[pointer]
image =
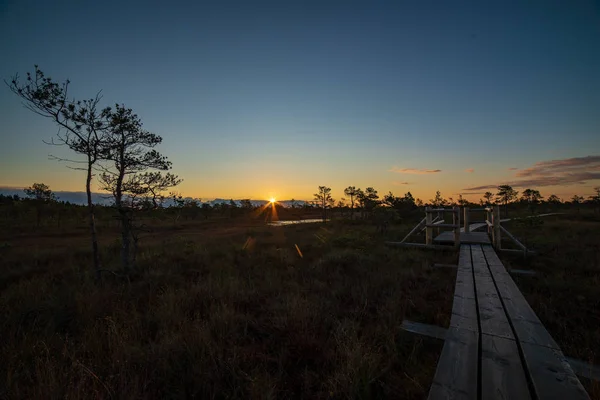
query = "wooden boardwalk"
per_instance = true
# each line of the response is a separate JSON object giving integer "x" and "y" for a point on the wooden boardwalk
{"x": 496, "y": 347}
{"x": 471, "y": 237}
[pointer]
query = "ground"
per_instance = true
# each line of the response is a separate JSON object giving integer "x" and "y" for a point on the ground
{"x": 231, "y": 308}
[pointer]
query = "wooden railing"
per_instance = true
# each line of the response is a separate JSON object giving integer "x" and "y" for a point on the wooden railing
{"x": 430, "y": 224}
{"x": 434, "y": 219}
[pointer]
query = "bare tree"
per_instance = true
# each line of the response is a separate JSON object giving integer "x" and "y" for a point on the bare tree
{"x": 324, "y": 199}
{"x": 81, "y": 128}
{"x": 130, "y": 148}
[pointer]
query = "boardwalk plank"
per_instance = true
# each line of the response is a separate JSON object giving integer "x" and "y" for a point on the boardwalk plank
{"x": 551, "y": 374}
{"x": 502, "y": 374}
{"x": 456, "y": 373}
{"x": 493, "y": 319}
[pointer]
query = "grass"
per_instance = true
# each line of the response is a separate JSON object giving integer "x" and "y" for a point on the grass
{"x": 228, "y": 310}
{"x": 231, "y": 308}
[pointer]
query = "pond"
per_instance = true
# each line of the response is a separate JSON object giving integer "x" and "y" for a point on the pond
{"x": 293, "y": 222}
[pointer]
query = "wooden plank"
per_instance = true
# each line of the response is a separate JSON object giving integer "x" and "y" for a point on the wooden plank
{"x": 421, "y": 246}
{"x": 464, "y": 307}
{"x": 465, "y": 238}
{"x": 432, "y": 225}
{"x": 492, "y": 316}
{"x": 424, "y": 329}
{"x": 551, "y": 374}
{"x": 416, "y": 228}
{"x": 502, "y": 374}
{"x": 428, "y": 222}
{"x": 534, "y": 333}
{"x": 456, "y": 373}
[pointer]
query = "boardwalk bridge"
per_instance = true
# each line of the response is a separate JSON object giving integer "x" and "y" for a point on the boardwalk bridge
{"x": 496, "y": 347}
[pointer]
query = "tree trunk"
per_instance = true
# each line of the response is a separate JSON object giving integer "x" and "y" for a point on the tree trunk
{"x": 90, "y": 204}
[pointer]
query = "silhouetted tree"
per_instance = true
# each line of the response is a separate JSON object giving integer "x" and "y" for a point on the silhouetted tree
{"x": 40, "y": 192}
{"x": 506, "y": 194}
{"x": 324, "y": 199}
{"x": 488, "y": 196}
{"x": 531, "y": 196}
{"x": 41, "y": 195}
{"x": 401, "y": 204}
{"x": 553, "y": 199}
{"x": 130, "y": 148}
{"x": 82, "y": 128}
{"x": 352, "y": 192}
{"x": 438, "y": 200}
{"x": 461, "y": 201}
{"x": 152, "y": 184}
{"x": 371, "y": 200}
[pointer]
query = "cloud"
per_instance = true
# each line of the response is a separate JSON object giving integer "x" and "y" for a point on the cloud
{"x": 470, "y": 170}
{"x": 512, "y": 168}
{"x": 563, "y": 172}
{"x": 577, "y": 164}
{"x": 414, "y": 171}
{"x": 400, "y": 183}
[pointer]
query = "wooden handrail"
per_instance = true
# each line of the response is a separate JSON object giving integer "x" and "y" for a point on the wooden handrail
{"x": 416, "y": 228}
{"x": 442, "y": 226}
{"x": 514, "y": 239}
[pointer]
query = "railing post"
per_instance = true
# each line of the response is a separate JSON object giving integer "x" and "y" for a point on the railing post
{"x": 496, "y": 227}
{"x": 428, "y": 228}
{"x": 466, "y": 220}
{"x": 488, "y": 217}
{"x": 456, "y": 226}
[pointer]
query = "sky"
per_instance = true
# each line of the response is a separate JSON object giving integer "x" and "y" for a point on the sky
{"x": 272, "y": 99}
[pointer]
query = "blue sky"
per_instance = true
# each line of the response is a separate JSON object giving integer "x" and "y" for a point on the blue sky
{"x": 260, "y": 99}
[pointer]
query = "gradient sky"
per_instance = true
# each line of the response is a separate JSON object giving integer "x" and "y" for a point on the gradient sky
{"x": 259, "y": 99}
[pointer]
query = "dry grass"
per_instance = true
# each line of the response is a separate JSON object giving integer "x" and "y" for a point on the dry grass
{"x": 228, "y": 308}
{"x": 225, "y": 310}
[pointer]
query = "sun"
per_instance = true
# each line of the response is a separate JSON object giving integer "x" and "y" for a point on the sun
{"x": 272, "y": 200}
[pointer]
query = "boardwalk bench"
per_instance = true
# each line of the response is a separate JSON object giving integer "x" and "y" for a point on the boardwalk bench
{"x": 496, "y": 347}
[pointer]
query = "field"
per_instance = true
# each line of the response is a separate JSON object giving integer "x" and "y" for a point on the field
{"x": 232, "y": 308}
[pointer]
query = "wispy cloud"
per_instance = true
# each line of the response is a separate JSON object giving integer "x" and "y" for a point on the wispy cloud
{"x": 564, "y": 172}
{"x": 470, "y": 170}
{"x": 414, "y": 171}
{"x": 512, "y": 168}
{"x": 400, "y": 183}
{"x": 577, "y": 164}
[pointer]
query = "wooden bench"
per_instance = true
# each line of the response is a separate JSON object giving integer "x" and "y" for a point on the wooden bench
{"x": 496, "y": 347}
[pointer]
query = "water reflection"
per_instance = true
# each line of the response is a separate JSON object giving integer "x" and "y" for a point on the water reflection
{"x": 293, "y": 222}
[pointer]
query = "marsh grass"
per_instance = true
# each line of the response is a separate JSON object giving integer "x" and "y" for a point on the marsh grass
{"x": 221, "y": 312}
